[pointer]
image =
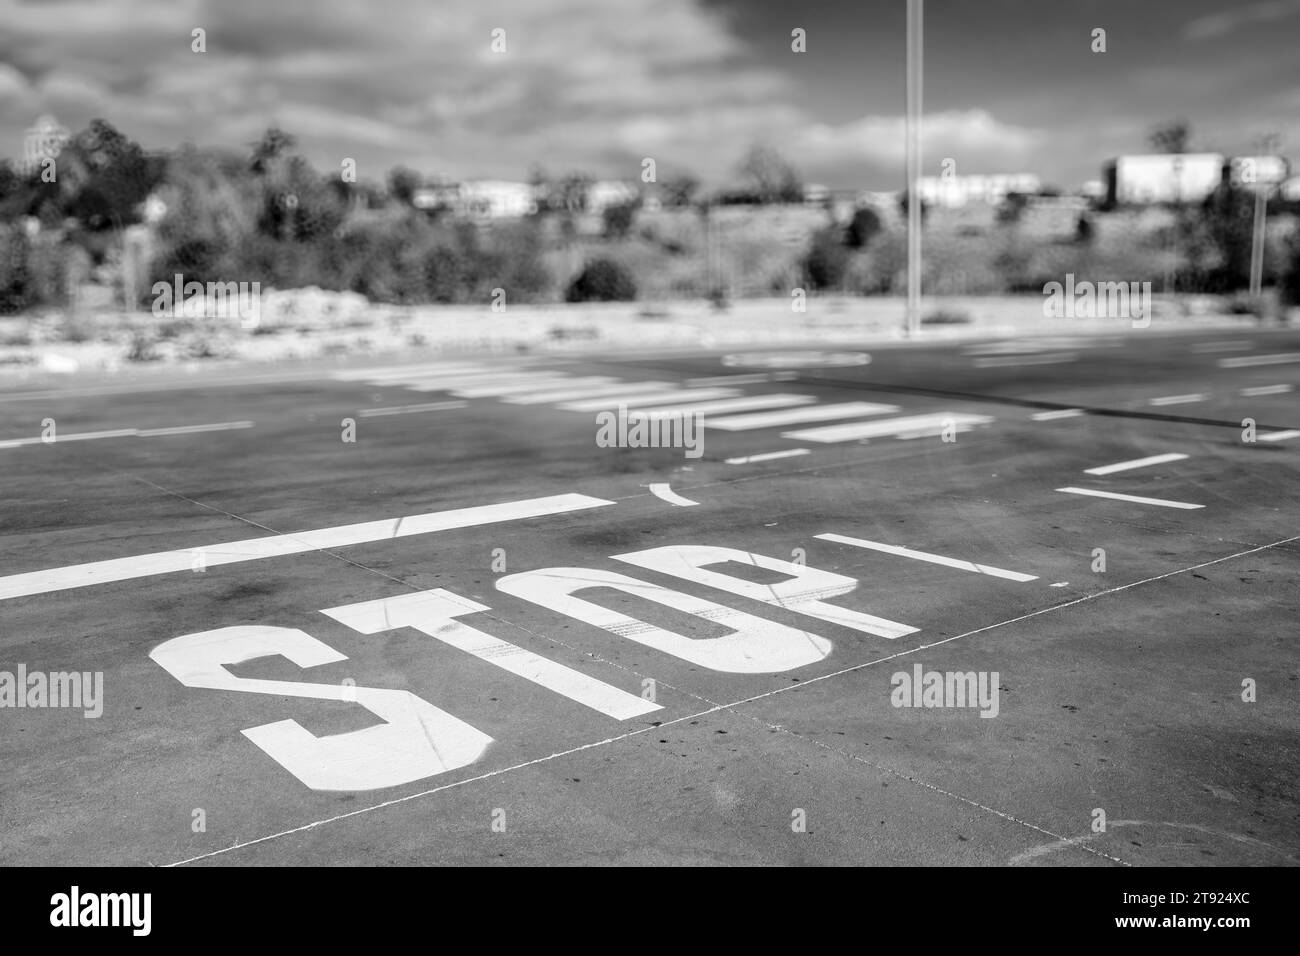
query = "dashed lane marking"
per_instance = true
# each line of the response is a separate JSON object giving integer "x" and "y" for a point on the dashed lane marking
{"x": 127, "y": 433}
{"x": 768, "y": 456}
{"x": 278, "y": 545}
{"x": 1281, "y": 436}
{"x": 1162, "y": 502}
{"x": 927, "y": 556}
{"x": 1266, "y": 390}
{"x": 1056, "y": 413}
{"x": 1179, "y": 399}
{"x": 1245, "y": 361}
{"x": 1135, "y": 463}
{"x": 410, "y": 409}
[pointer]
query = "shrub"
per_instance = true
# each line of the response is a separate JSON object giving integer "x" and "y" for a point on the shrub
{"x": 618, "y": 220}
{"x": 826, "y": 260}
{"x": 863, "y": 227}
{"x": 602, "y": 280}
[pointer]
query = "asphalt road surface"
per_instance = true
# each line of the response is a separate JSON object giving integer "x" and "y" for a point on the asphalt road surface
{"x": 418, "y": 613}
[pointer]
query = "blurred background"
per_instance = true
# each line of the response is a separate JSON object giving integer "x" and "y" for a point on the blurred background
{"x": 370, "y": 164}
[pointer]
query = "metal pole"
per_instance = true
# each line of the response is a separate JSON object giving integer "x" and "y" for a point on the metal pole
{"x": 1258, "y": 234}
{"x": 915, "y": 47}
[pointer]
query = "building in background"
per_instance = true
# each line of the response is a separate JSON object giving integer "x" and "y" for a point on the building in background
{"x": 955, "y": 191}
{"x": 1162, "y": 178}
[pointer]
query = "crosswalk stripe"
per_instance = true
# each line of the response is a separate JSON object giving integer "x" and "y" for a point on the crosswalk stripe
{"x": 744, "y": 403}
{"x": 673, "y": 397}
{"x": 573, "y": 392}
{"x": 794, "y": 416}
{"x": 398, "y": 372}
{"x": 907, "y": 425}
{"x": 445, "y": 383}
{"x": 517, "y": 384}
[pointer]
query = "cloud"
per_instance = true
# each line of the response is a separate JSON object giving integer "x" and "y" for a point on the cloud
{"x": 1230, "y": 20}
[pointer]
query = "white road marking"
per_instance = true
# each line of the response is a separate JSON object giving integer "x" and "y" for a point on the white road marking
{"x": 1244, "y": 361}
{"x": 434, "y": 613}
{"x": 1203, "y": 348}
{"x": 414, "y": 741}
{"x": 574, "y": 393}
{"x": 1179, "y": 399}
{"x": 803, "y": 590}
{"x": 410, "y": 409}
{"x": 1056, "y": 413}
{"x": 754, "y": 646}
{"x": 1059, "y": 358}
{"x": 927, "y": 556}
{"x": 1164, "y": 503}
{"x": 1135, "y": 463}
{"x": 127, "y": 433}
{"x": 742, "y": 379}
{"x": 1280, "y": 436}
{"x": 556, "y": 383}
{"x": 1267, "y": 390}
{"x": 273, "y": 546}
{"x": 732, "y": 705}
{"x": 744, "y": 403}
{"x": 193, "y": 429}
{"x": 446, "y": 383}
{"x": 390, "y": 373}
{"x": 794, "y": 416}
{"x": 664, "y": 492}
{"x": 524, "y": 382}
{"x": 75, "y": 436}
{"x": 908, "y": 425}
{"x": 768, "y": 456}
{"x": 672, "y": 397}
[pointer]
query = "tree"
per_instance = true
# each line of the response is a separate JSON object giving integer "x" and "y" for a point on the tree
{"x": 402, "y": 184}
{"x": 863, "y": 227}
{"x": 274, "y": 144}
{"x": 770, "y": 176}
{"x": 1171, "y": 137}
{"x": 679, "y": 189}
{"x": 618, "y": 220}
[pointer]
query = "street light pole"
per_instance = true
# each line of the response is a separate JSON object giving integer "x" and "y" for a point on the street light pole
{"x": 915, "y": 47}
{"x": 1258, "y": 234}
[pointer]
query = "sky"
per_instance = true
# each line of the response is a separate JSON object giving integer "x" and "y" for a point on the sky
{"x": 599, "y": 85}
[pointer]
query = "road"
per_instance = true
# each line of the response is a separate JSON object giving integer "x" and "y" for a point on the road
{"x": 471, "y": 634}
